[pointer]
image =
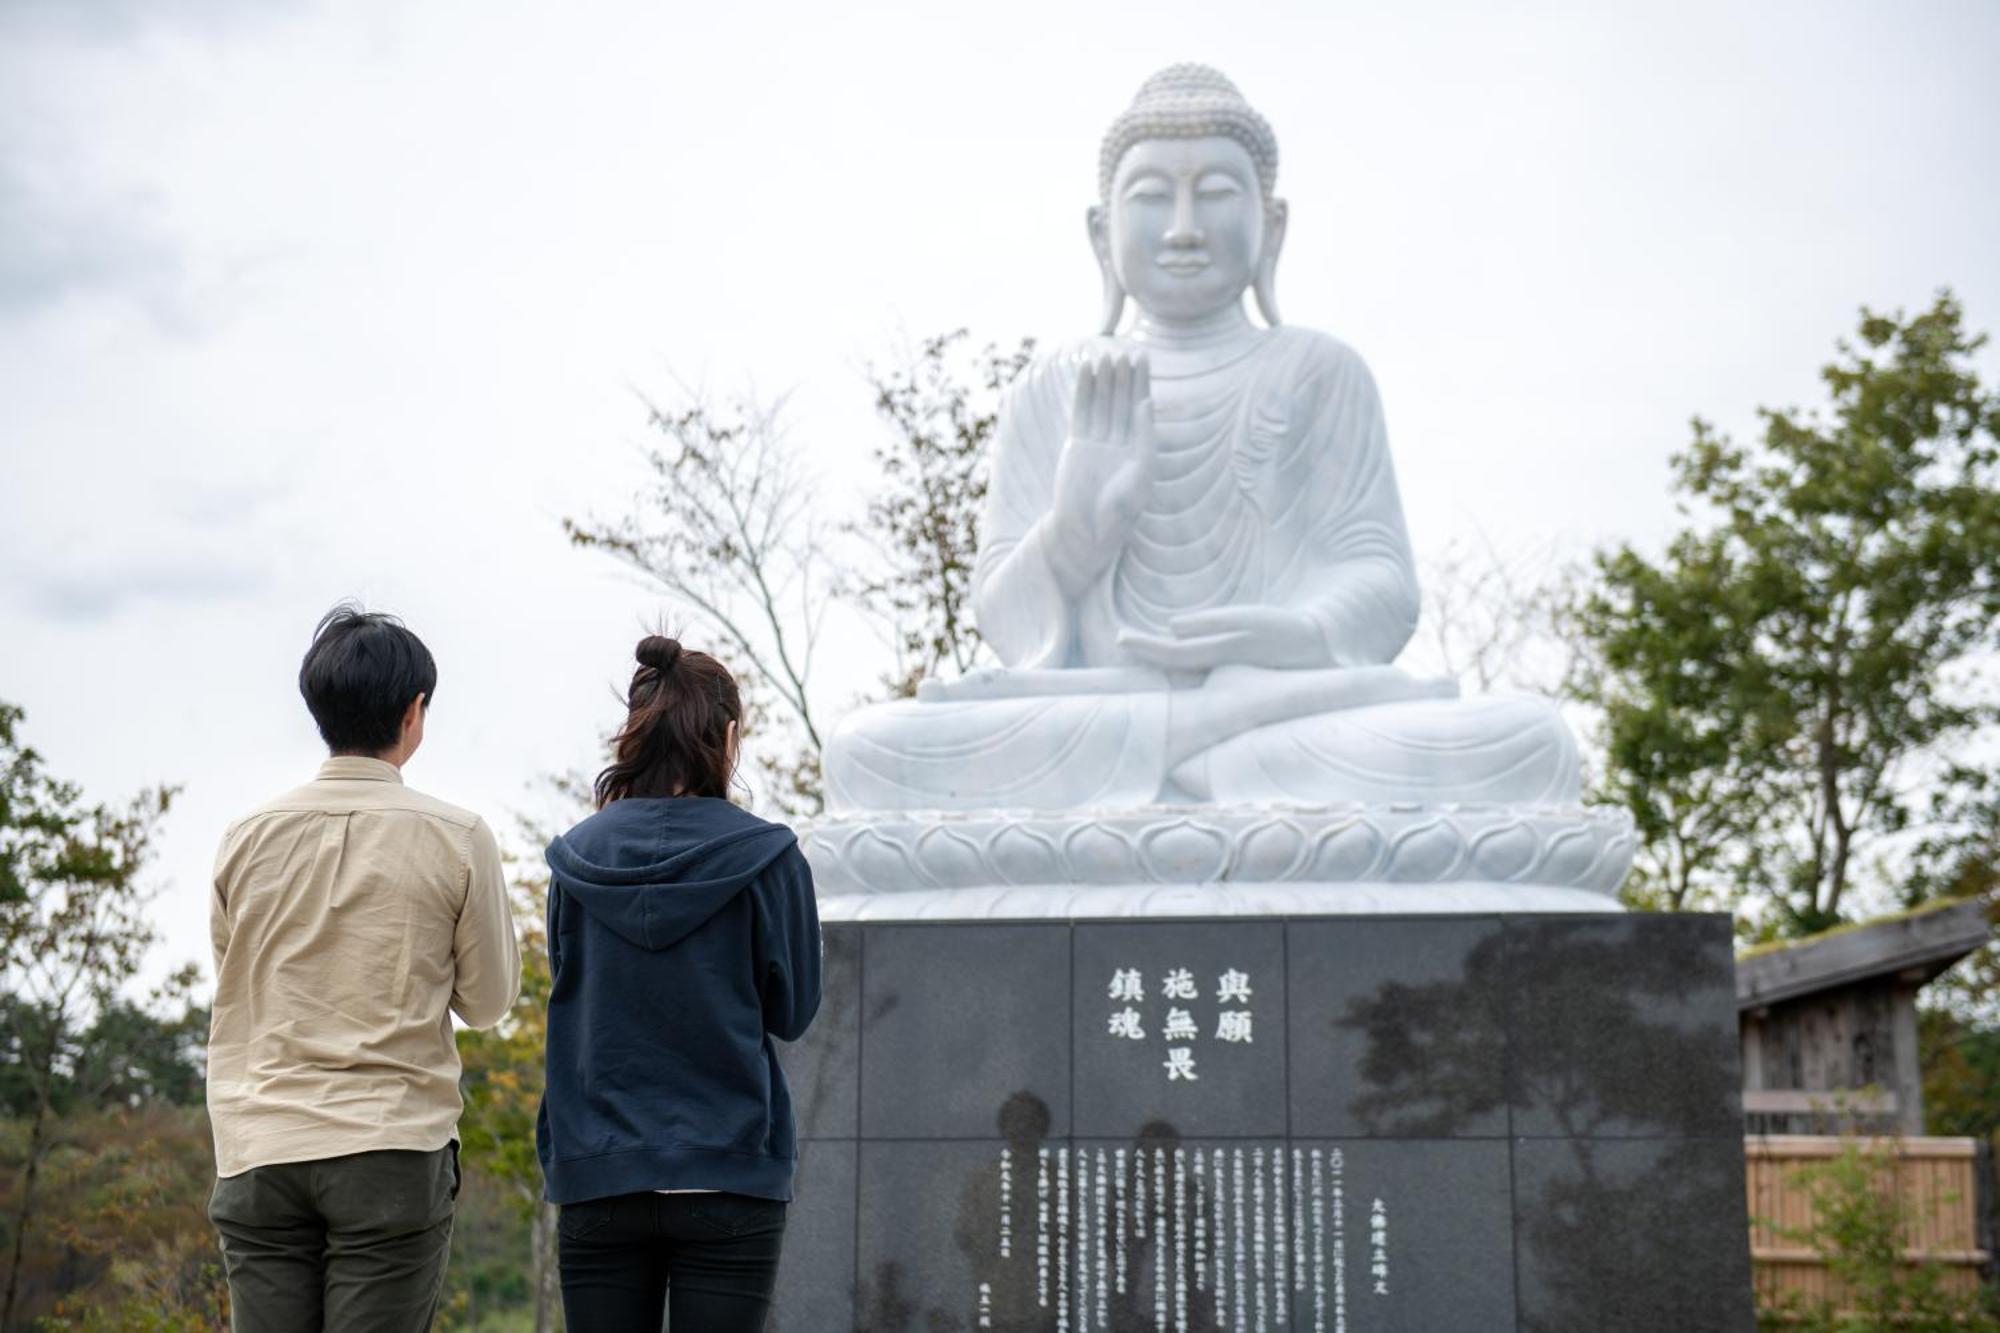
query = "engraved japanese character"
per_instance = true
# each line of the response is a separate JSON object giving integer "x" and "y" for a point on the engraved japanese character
{"x": 1125, "y": 1023}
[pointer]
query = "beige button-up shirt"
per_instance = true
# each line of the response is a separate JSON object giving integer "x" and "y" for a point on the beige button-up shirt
{"x": 351, "y": 917}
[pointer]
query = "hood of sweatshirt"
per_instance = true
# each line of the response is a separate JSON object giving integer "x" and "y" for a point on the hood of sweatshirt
{"x": 653, "y": 869}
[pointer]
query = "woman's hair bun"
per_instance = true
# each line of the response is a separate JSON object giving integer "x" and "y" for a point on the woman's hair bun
{"x": 659, "y": 652}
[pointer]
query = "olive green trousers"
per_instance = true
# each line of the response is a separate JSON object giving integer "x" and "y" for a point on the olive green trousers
{"x": 356, "y": 1244}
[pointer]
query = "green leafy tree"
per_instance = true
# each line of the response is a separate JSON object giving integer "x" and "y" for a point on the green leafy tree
{"x": 1860, "y": 1225}
{"x": 942, "y": 407}
{"x": 503, "y": 1090}
{"x": 73, "y": 932}
{"x": 1781, "y": 688}
{"x": 503, "y": 1077}
{"x": 1960, "y": 1059}
{"x": 147, "y": 1054}
{"x": 128, "y": 1214}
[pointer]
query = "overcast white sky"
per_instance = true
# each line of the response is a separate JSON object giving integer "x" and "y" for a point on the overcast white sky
{"x": 301, "y": 301}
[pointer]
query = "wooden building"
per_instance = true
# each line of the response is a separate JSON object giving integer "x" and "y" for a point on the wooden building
{"x": 1829, "y": 1024}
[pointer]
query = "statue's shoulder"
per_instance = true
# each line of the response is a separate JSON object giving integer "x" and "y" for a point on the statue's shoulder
{"x": 1320, "y": 359}
{"x": 1312, "y": 349}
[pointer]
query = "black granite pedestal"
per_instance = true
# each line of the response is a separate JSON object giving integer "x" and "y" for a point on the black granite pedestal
{"x": 1328, "y": 1124}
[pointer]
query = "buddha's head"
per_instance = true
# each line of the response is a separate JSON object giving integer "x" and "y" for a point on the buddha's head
{"x": 1187, "y": 219}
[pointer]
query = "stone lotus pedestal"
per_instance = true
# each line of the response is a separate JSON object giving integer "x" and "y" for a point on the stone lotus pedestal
{"x": 1440, "y": 1124}
{"x": 1166, "y": 861}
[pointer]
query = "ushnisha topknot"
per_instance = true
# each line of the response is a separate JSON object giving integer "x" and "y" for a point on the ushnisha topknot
{"x": 1189, "y": 102}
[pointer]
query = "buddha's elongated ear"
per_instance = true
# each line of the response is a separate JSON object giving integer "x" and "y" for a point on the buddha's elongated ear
{"x": 1267, "y": 265}
{"x": 1099, "y": 224}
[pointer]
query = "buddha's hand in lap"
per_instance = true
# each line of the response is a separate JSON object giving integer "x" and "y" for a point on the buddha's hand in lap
{"x": 1105, "y": 474}
{"x": 1265, "y": 636}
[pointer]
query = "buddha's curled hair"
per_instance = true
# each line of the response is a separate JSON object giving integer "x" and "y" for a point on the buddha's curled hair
{"x": 1189, "y": 102}
{"x": 676, "y": 738}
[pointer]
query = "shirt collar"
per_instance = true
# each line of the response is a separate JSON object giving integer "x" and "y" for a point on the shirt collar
{"x": 359, "y": 768}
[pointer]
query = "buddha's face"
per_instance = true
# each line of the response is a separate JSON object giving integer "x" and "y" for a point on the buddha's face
{"x": 1185, "y": 227}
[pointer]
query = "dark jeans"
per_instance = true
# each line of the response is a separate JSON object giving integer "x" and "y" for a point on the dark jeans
{"x": 344, "y": 1243}
{"x": 710, "y": 1260}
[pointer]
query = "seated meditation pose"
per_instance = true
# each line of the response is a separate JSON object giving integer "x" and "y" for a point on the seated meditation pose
{"x": 1194, "y": 565}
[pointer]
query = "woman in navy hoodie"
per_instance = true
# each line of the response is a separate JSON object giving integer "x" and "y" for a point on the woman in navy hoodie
{"x": 682, "y": 939}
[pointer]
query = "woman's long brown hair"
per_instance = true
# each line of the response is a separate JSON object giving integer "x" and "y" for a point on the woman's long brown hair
{"x": 675, "y": 741}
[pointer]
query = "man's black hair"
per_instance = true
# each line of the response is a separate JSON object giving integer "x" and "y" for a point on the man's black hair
{"x": 359, "y": 676}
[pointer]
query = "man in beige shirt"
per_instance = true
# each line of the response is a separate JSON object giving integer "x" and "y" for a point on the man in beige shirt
{"x": 351, "y": 918}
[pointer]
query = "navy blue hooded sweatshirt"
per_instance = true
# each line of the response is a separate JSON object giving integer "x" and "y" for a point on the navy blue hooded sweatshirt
{"x": 683, "y": 937}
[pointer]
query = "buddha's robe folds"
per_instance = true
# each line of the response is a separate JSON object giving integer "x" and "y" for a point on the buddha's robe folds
{"x": 1273, "y": 489}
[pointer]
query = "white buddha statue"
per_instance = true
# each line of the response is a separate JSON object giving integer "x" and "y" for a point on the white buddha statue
{"x": 1194, "y": 562}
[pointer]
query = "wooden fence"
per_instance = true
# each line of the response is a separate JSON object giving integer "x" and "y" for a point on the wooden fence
{"x": 1938, "y": 1181}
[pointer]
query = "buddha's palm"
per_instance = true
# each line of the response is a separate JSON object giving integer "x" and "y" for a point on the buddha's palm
{"x": 1265, "y": 636}
{"x": 1105, "y": 474}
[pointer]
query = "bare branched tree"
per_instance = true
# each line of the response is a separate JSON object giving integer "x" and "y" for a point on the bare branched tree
{"x": 729, "y": 530}
{"x": 1490, "y": 617}
{"x": 942, "y": 405}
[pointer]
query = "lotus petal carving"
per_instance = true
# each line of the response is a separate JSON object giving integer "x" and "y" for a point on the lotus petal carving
{"x": 1099, "y": 854}
{"x": 1503, "y": 853}
{"x": 1021, "y": 855}
{"x": 1350, "y": 850}
{"x": 874, "y": 860}
{"x": 1426, "y": 852}
{"x": 1569, "y": 855}
{"x": 1184, "y": 852}
{"x": 948, "y": 856}
{"x": 1270, "y": 851}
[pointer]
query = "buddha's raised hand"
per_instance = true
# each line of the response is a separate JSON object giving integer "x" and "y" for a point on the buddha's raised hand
{"x": 1105, "y": 474}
